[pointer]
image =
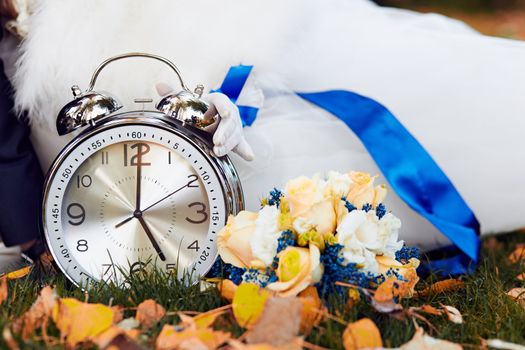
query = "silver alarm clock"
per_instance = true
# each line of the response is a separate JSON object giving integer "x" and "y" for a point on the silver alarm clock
{"x": 137, "y": 188}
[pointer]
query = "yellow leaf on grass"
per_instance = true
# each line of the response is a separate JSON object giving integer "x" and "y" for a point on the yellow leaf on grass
{"x": 171, "y": 338}
{"x": 149, "y": 313}
{"x": 248, "y": 304}
{"x": 518, "y": 294}
{"x": 3, "y": 289}
{"x": 206, "y": 319}
{"x": 312, "y": 311}
{"x": 14, "y": 275}
{"x": 362, "y": 334}
{"x": 518, "y": 254}
{"x": 422, "y": 341}
{"x": 78, "y": 321}
{"x": 448, "y": 285}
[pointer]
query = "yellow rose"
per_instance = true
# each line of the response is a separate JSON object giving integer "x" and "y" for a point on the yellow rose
{"x": 322, "y": 217}
{"x": 298, "y": 268}
{"x": 302, "y": 193}
{"x": 362, "y": 190}
{"x": 234, "y": 239}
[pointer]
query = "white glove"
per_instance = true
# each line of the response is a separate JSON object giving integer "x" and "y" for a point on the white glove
{"x": 229, "y": 134}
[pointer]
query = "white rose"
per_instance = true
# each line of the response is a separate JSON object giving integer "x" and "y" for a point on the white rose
{"x": 339, "y": 184}
{"x": 302, "y": 225}
{"x": 263, "y": 241}
{"x": 360, "y": 235}
{"x": 389, "y": 226}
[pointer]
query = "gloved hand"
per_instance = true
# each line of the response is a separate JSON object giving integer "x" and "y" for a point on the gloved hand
{"x": 229, "y": 134}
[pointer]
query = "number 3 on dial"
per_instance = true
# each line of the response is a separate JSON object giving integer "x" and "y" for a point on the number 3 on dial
{"x": 201, "y": 209}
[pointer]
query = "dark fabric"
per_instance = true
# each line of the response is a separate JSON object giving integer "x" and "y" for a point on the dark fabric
{"x": 21, "y": 178}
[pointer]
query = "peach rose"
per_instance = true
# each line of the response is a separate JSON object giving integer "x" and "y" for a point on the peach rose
{"x": 298, "y": 268}
{"x": 234, "y": 239}
{"x": 362, "y": 190}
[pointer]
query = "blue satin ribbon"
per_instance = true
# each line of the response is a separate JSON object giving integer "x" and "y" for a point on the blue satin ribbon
{"x": 410, "y": 170}
{"x": 232, "y": 87}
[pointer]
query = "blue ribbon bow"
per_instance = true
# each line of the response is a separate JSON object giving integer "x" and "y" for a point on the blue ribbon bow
{"x": 409, "y": 169}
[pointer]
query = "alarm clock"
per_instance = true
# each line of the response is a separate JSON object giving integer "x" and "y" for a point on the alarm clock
{"x": 137, "y": 189}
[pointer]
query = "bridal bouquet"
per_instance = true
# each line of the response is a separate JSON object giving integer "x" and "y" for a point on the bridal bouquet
{"x": 317, "y": 232}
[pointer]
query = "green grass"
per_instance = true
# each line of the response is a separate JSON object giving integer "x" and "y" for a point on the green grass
{"x": 487, "y": 311}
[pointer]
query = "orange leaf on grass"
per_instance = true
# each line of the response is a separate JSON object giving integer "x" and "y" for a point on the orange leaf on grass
{"x": 296, "y": 344}
{"x": 393, "y": 287}
{"x": 37, "y": 315}
{"x": 3, "y": 289}
{"x": 227, "y": 289}
{"x": 172, "y": 338}
{"x": 79, "y": 322}
{"x": 149, "y": 313}
{"x": 518, "y": 254}
{"x": 362, "y": 334}
{"x": 312, "y": 311}
{"x": 449, "y": 285}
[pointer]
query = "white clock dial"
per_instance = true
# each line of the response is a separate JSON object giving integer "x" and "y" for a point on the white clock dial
{"x": 130, "y": 194}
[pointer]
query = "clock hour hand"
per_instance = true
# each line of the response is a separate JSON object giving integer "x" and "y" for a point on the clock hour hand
{"x": 150, "y": 236}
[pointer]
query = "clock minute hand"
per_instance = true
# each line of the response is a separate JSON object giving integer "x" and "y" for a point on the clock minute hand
{"x": 189, "y": 184}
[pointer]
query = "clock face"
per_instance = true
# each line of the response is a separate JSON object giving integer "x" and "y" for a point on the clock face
{"x": 130, "y": 197}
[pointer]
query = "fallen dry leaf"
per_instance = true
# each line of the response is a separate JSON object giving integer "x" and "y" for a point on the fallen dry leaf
{"x": 118, "y": 313}
{"x": 117, "y": 338}
{"x": 173, "y": 338}
{"x": 3, "y": 290}
{"x": 453, "y": 314}
{"x": 312, "y": 311}
{"x": 207, "y": 319}
{"x": 9, "y": 339}
{"x": 521, "y": 276}
{"x": 279, "y": 322}
{"x": 518, "y": 254}
{"x": 37, "y": 315}
{"x": 296, "y": 344}
{"x": 248, "y": 304}
{"x": 149, "y": 313}
{"x": 428, "y": 309}
{"x": 227, "y": 289}
{"x": 393, "y": 287}
{"x": 362, "y": 334}
{"x": 79, "y": 322}
{"x": 449, "y": 285}
{"x": 518, "y": 294}
{"x": 422, "y": 341}
{"x": 14, "y": 275}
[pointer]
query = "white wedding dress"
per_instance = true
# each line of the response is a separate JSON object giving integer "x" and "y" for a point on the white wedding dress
{"x": 459, "y": 93}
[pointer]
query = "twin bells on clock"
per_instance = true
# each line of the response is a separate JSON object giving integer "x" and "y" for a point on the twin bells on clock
{"x": 91, "y": 106}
